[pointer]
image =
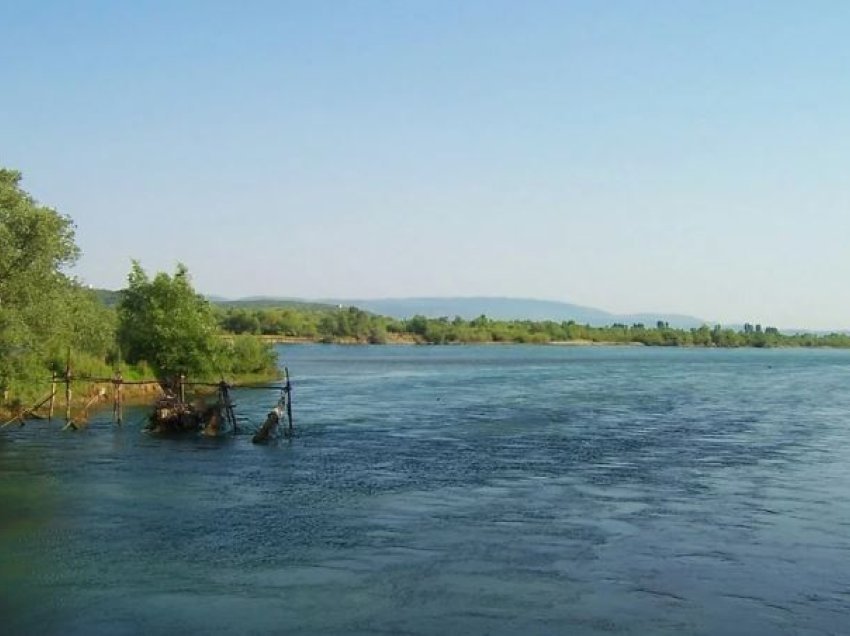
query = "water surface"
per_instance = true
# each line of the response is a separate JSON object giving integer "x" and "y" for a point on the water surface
{"x": 476, "y": 490}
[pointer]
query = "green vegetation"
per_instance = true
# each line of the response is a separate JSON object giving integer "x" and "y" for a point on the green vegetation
{"x": 43, "y": 311}
{"x": 354, "y": 325}
{"x": 163, "y": 322}
{"x": 161, "y": 326}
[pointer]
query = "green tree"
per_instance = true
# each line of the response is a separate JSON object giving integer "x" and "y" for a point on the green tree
{"x": 249, "y": 356}
{"x": 163, "y": 322}
{"x": 36, "y": 244}
{"x": 417, "y": 325}
{"x": 240, "y": 321}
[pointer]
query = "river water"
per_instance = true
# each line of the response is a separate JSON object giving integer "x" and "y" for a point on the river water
{"x": 467, "y": 490}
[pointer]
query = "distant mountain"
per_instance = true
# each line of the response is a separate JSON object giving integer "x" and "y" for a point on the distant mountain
{"x": 511, "y": 309}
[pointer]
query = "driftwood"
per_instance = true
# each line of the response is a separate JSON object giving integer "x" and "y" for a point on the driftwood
{"x": 269, "y": 427}
{"x": 30, "y": 412}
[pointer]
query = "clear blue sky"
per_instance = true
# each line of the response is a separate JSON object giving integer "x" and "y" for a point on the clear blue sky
{"x": 634, "y": 156}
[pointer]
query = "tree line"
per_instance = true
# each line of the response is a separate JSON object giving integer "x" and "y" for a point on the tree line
{"x": 350, "y": 324}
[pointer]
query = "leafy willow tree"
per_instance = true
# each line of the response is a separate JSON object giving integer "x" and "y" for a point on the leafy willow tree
{"x": 163, "y": 322}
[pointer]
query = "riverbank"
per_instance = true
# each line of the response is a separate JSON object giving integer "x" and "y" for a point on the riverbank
{"x": 410, "y": 339}
{"x": 390, "y": 339}
{"x": 89, "y": 397}
{"x": 86, "y": 398}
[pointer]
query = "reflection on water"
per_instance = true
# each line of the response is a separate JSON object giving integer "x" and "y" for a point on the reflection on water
{"x": 456, "y": 490}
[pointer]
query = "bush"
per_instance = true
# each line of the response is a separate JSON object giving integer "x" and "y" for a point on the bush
{"x": 249, "y": 355}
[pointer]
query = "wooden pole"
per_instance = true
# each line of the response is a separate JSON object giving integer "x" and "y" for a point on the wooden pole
{"x": 182, "y": 389}
{"x": 120, "y": 398}
{"x": 229, "y": 414}
{"x": 68, "y": 388}
{"x": 288, "y": 399}
{"x": 118, "y": 407}
{"x": 116, "y": 398}
{"x": 52, "y": 396}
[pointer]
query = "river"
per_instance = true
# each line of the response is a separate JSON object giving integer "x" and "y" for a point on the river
{"x": 443, "y": 490}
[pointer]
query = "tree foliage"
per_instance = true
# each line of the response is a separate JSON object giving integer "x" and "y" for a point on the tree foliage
{"x": 45, "y": 313}
{"x": 42, "y": 310}
{"x": 163, "y": 322}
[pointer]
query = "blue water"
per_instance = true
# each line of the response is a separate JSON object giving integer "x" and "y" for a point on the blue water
{"x": 443, "y": 490}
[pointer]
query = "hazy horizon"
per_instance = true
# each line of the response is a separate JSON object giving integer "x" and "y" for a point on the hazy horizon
{"x": 634, "y": 157}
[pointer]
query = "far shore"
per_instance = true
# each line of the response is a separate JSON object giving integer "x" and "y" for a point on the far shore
{"x": 593, "y": 343}
{"x": 396, "y": 339}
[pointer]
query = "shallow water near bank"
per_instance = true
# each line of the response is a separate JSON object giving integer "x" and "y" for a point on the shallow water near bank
{"x": 473, "y": 489}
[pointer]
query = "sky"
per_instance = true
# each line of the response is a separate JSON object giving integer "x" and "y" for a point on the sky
{"x": 687, "y": 157}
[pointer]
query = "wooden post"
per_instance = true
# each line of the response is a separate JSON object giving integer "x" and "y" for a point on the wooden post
{"x": 115, "y": 382}
{"x": 118, "y": 388}
{"x": 68, "y": 388}
{"x": 288, "y": 399}
{"x": 52, "y": 396}
{"x": 182, "y": 389}
{"x": 120, "y": 398}
{"x": 224, "y": 398}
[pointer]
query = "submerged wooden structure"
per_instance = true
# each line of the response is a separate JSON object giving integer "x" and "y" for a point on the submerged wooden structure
{"x": 172, "y": 414}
